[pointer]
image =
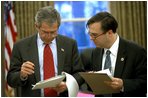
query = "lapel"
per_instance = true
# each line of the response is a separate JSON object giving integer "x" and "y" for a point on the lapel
{"x": 60, "y": 53}
{"x": 33, "y": 56}
{"x": 121, "y": 59}
{"x": 97, "y": 59}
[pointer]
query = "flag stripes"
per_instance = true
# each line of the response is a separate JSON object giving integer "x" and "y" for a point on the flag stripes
{"x": 10, "y": 33}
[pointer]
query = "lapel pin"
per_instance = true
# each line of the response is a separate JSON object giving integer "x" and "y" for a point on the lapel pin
{"x": 62, "y": 49}
{"x": 122, "y": 59}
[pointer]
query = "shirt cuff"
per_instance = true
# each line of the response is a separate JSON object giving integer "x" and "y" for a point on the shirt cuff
{"x": 23, "y": 78}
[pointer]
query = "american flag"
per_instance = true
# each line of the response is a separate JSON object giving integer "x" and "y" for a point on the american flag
{"x": 10, "y": 33}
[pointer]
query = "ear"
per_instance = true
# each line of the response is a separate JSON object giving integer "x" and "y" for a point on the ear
{"x": 110, "y": 32}
{"x": 36, "y": 26}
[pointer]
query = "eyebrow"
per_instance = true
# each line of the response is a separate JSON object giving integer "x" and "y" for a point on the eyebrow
{"x": 50, "y": 31}
{"x": 43, "y": 30}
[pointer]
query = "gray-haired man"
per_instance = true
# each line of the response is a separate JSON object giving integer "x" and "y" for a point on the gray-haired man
{"x": 27, "y": 61}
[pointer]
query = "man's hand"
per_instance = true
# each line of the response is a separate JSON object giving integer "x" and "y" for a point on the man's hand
{"x": 60, "y": 87}
{"x": 116, "y": 83}
{"x": 27, "y": 69}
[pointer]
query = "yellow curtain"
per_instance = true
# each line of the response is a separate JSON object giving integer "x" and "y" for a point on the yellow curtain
{"x": 132, "y": 19}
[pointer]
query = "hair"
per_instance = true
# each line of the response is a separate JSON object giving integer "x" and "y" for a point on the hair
{"x": 108, "y": 22}
{"x": 47, "y": 14}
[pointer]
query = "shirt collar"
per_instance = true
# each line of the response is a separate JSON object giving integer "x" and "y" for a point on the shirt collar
{"x": 114, "y": 47}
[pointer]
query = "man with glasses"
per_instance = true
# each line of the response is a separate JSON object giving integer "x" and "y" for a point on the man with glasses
{"x": 126, "y": 60}
{"x": 44, "y": 55}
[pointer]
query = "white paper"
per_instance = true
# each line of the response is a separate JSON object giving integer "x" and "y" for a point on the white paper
{"x": 52, "y": 82}
{"x": 72, "y": 85}
{"x": 106, "y": 71}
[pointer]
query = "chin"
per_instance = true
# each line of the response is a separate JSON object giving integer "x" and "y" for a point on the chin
{"x": 48, "y": 41}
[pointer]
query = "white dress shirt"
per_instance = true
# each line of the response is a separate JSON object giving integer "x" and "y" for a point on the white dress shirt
{"x": 113, "y": 55}
{"x": 41, "y": 46}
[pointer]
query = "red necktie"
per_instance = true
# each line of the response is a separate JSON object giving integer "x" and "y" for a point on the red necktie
{"x": 48, "y": 70}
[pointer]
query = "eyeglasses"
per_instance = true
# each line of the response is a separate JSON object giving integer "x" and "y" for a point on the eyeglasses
{"x": 95, "y": 35}
{"x": 53, "y": 33}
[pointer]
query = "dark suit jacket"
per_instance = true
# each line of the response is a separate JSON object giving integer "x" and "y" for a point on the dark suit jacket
{"x": 26, "y": 50}
{"x": 85, "y": 56}
{"x": 131, "y": 66}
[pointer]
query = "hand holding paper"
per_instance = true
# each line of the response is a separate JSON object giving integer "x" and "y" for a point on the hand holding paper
{"x": 116, "y": 83}
{"x": 54, "y": 82}
{"x": 96, "y": 80}
{"x": 61, "y": 87}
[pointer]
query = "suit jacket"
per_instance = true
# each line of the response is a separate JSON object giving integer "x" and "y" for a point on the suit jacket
{"x": 85, "y": 56}
{"x": 26, "y": 50}
{"x": 131, "y": 66}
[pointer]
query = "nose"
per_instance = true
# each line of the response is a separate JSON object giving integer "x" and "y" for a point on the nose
{"x": 91, "y": 38}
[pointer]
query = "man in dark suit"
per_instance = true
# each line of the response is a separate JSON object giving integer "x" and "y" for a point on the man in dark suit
{"x": 126, "y": 60}
{"x": 26, "y": 66}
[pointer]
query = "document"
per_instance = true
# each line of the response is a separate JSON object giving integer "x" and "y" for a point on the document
{"x": 71, "y": 83}
{"x": 96, "y": 81}
{"x": 52, "y": 82}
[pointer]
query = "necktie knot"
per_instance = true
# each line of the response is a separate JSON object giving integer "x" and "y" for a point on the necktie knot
{"x": 108, "y": 52}
{"x": 46, "y": 45}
